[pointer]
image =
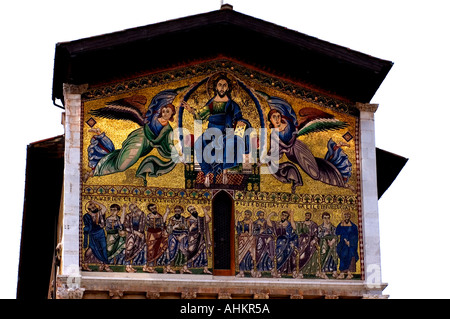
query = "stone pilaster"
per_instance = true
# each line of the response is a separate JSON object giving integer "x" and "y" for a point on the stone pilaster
{"x": 369, "y": 197}
{"x": 71, "y": 197}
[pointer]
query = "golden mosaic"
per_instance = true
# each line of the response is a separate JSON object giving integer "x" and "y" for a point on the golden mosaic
{"x": 159, "y": 150}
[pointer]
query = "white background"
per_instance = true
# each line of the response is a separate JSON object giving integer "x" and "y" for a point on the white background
{"x": 412, "y": 119}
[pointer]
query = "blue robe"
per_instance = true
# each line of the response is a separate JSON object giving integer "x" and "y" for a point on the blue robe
{"x": 286, "y": 242}
{"x": 94, "y": 236}
{"x": 177, "y": 243}
{"x": 345, "y": 252}
{"x": 265, "y": 249}
{"x": 232, "y": 156}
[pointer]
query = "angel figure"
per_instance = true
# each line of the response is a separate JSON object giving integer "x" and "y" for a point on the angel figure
{"x": 334, "y": 169}
{"x": 154, "y": 133}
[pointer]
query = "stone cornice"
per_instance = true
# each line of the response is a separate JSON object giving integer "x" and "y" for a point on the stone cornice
{"x": 193, "y": 286}
{"x": 74, "y": 89}
{"x": 367, "y": 107}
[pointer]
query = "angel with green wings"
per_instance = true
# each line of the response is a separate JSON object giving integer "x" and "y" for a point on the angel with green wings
{"x": 154, "y": 133}
{"x": 334, "y": 169}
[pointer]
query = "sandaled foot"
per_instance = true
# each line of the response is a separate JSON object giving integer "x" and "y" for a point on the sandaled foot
{"x": 341, "y": 276}
{"x": 168, "y": 270}
{"x": 185, "y": 270}
{"x": 224, "y": 178}
{"x": 207, "y": 181}
{"x": 85, "y": 267}
{"x": 206, "y": 271}
{"x": 130, "y": 269}
{"x": 107, "y": 268}
{"x": 148, "y": 269}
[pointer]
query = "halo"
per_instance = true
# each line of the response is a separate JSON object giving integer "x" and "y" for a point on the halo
{"x": 87, "y": 203}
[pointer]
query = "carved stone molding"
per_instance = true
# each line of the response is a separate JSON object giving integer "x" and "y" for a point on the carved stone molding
{"x": 373, "y": 296}
{"x": 116, "y": 294}
{"x": 224, "y": 295}
{"x": 188, "y": 295}
{"x": 367, "y": 107}
{"x": 106, "y": 285}
{"x": 69, "y": 293}
{"x": 261, "y": 295}
{"x": 152, "y": 295}
{"x": 74, "y": 89}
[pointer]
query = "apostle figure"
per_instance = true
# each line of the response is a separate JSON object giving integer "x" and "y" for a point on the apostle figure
{"x": 246, "y": 243}
{"x": 134, "y": 224}
{"x": 327, "y": 243}
{"x": 308, "y": 240}
{"x": 286, "y": 243}
{"x": 115, "y": 237}
{"x": 175, "y": 254}
{"x": 199, "y": 240}
{"x": 157, "y": 237}
{"x": 94, "y": 236}
{"x": 347, "y": 248}
{"x": 265, "y": 246}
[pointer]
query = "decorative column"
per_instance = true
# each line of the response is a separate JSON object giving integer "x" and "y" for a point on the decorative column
{"x": 71, "y": 198}
{"x": 369, "y": 198}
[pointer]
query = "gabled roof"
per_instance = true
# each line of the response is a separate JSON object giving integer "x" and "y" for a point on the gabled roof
{"x": 318, "y": 64}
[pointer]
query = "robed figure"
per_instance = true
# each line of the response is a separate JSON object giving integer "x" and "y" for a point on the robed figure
{"x": 286, "y": 244}
{"x": 154, "y": 133}
{"x": 334, "y": 169}
{"x": 347, "y": 248}
{"x": 224, "y": 143}
{"x": 94, "y": 236}
{"x": 265, "y": 245}
{"x": 199, "y": 240}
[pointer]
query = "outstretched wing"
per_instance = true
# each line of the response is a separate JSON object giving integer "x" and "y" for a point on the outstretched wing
{"x": 129, "y": 109}
{"x": 322, "y": 125}
{"x": 313, "y": 120}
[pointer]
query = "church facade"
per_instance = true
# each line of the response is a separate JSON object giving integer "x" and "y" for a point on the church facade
{"x": 215, "y": 172}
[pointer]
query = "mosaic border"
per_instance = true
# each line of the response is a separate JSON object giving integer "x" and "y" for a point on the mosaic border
{"x": 203, "y": 68}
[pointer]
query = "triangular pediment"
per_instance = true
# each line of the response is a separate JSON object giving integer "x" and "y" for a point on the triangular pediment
{"x": 290, "y": 54}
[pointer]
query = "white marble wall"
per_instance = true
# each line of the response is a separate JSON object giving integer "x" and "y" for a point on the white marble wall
{"x": 370, "y": 222}
{"x": 71, "y": 197}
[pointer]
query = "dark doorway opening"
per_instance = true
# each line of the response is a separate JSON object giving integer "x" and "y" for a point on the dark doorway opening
{"x": 223, "y": 227}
